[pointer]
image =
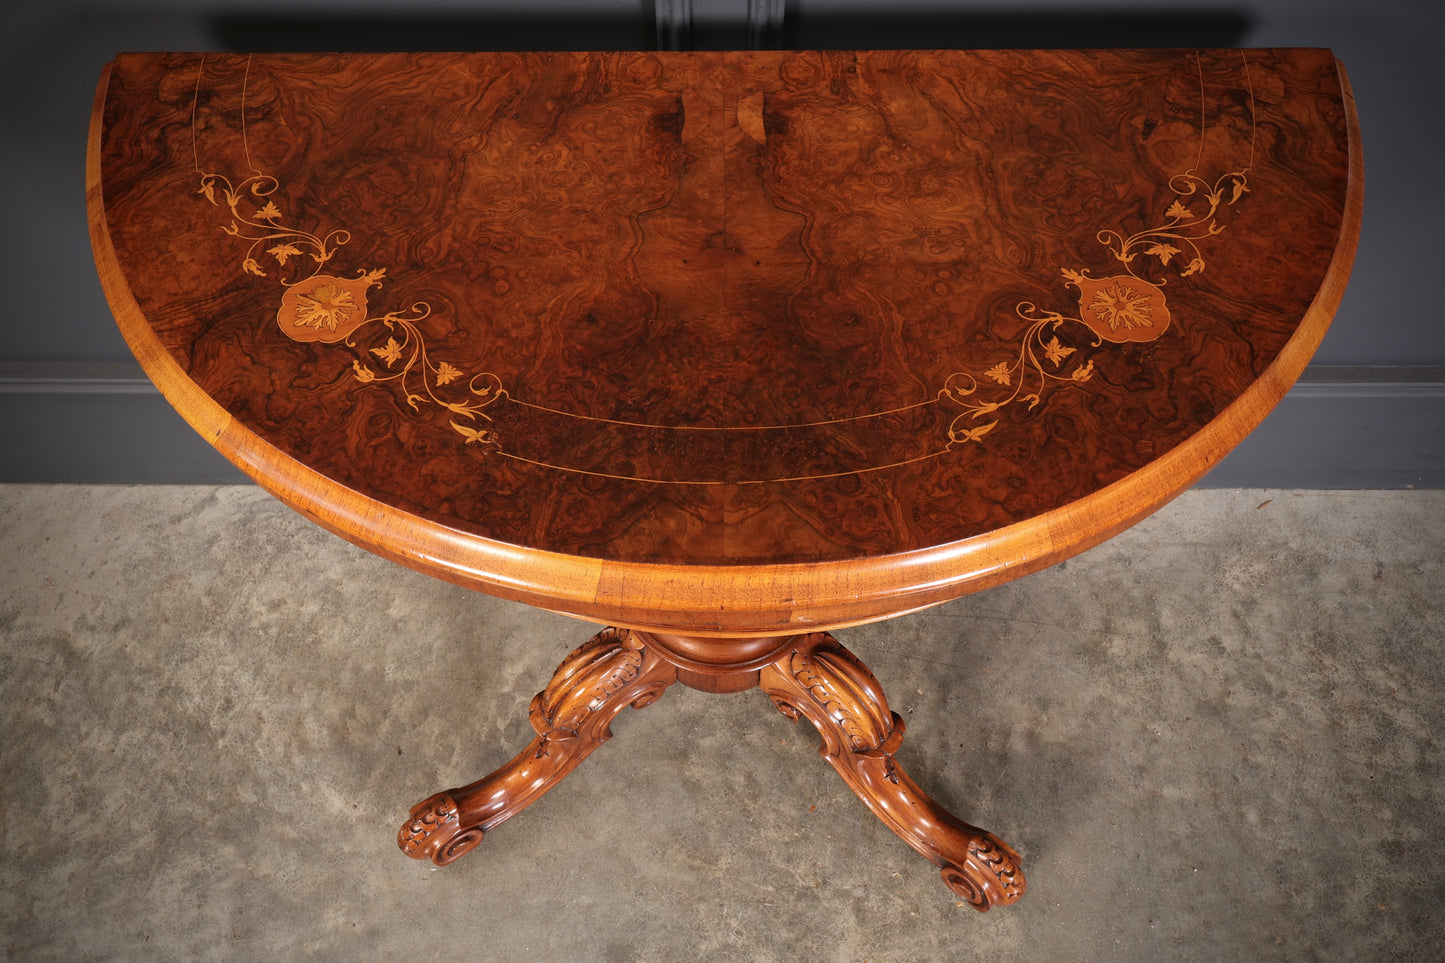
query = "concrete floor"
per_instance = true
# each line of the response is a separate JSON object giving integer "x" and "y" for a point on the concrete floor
{"x": 1217, "y": 737}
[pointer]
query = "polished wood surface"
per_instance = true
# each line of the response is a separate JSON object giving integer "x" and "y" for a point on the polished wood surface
{"x": 572, "y": 716}
{"x": 728, "y": 349}
{"x": 725, "y": 344}
{"x": 812, "y": 677}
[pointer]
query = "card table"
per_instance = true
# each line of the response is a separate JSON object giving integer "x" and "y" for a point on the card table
{"x": 725, "y": 351}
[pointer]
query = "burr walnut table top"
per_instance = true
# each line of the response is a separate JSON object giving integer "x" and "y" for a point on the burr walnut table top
{"x": 725, "y": 344}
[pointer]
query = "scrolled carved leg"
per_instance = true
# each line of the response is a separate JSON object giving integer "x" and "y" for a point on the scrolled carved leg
{"x": 572, "y": 716}
{"x": 823, "y": 682}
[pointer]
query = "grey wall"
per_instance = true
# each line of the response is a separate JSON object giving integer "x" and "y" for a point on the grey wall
{"x": 75, "y": 407}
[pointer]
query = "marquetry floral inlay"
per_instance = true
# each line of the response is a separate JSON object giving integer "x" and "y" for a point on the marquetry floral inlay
{"x": 331, "y": 309}
{"x": 1121, "y": 303}
{"x": 322, "y": 303}
{"x": 1119, "y": 308}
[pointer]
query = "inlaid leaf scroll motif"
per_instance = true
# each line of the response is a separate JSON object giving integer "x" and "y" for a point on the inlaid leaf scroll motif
{"x": 1119, "y": 308}
{"x": 319, "y": 306}
{"x": 321, "y": 303}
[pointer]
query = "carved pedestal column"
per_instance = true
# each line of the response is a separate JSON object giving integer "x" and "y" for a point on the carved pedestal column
{"x": 811, "y": 676}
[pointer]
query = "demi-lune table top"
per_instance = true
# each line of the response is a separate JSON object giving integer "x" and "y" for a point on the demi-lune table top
{"x": 725, "y": 343}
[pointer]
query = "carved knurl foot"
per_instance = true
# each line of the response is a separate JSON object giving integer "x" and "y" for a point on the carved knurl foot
{"x": 572, "y": 716}
{"x": 991, "y": 875}
{"x": 435, "y": 832}
{"x": 825, "y": 683}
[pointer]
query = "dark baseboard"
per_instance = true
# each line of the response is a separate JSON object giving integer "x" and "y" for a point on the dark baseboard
{"x": 1347, "y": 428}
{"x": 98, "y": 424}
{"x": 1339, "y": 428}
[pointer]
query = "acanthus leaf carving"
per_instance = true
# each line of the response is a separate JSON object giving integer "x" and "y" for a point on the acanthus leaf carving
{"x": 843, "y": 688}
{"x": 824, "y": 682}
{"x": 572, "y": 715}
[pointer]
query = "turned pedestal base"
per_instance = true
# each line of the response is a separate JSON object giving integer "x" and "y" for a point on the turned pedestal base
{"x": 808, "y": 676}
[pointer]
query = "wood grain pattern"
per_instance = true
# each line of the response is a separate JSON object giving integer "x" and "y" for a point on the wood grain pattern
{"x": 725, "y": 349}
{"x": 726, "y": 344}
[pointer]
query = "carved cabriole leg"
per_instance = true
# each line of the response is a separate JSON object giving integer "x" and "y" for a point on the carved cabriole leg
{"x": 824, "y": 682}
{"x": 572, "y": 717}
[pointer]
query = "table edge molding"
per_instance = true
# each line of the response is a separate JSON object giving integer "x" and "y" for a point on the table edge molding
{"x": 725, "y": 600}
